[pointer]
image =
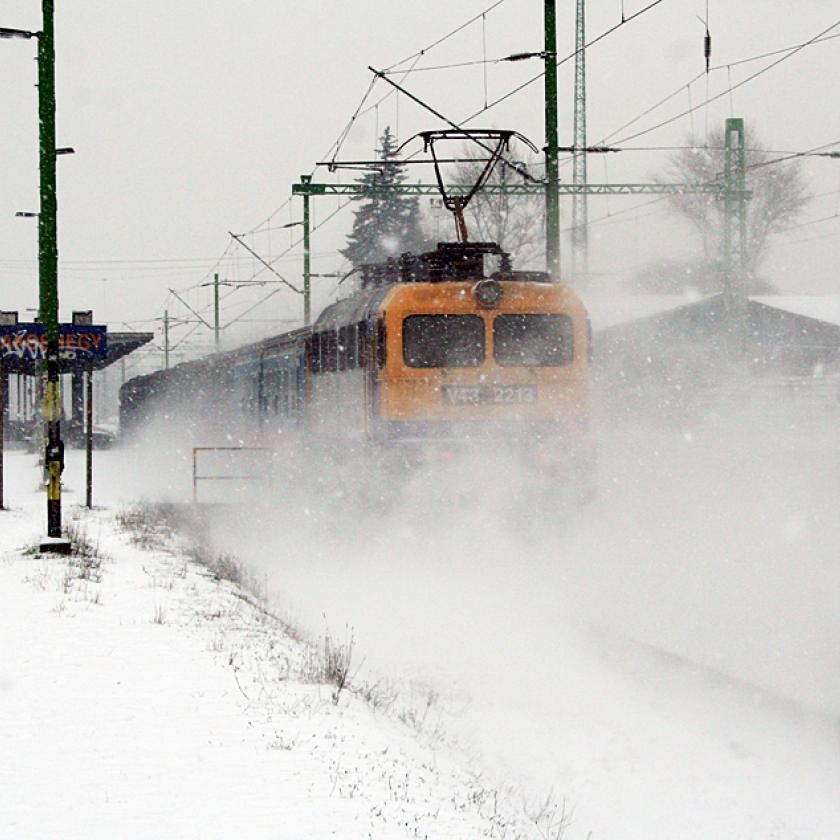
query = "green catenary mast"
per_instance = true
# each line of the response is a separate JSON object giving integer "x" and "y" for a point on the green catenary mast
{"x": 552, "y": 170}
{"x": 48, "y": 265}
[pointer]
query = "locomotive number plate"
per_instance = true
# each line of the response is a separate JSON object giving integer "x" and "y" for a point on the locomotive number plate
{"x": 489, "y": 394}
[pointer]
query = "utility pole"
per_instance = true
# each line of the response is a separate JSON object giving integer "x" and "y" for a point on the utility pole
{"x": 580, "y": 220}
{"x": 48, "y": 267}
{"x": 216, "y": 310}
{"x": 166, "y": 339}
{"x": 307, "y": 267}
{"x": 552, "y": 169}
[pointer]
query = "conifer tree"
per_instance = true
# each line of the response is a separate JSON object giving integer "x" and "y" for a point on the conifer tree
{"x": 385, "y": 225}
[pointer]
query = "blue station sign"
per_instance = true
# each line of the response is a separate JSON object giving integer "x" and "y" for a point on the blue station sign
{"x": 21, "y": 344}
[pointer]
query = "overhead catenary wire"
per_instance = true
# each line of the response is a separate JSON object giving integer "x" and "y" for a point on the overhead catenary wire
{"x": 238, "y": 238}
{"x": 727, "y": 66}
{"x": 252, "y": 308}
{"x": 740, "y": 84}
{"x": 420, "y": 54}
{"x": 336, "y": 147}
{"x": 624, "y": 20}
{"x": 415, "y": 59}
{"x": 788, "y": 243}
{"x": 184, "y": 338}
{"x": 297, "y": 242}
{"x": 403, "y": 74}
{"x": 562, "y": 61}
{"x": 612, "y": 216}
{"x": 652, "y": 108}
{"x": 360, "y": 110}
{"x": 484, "y": 53}
{"x": 816, "y": 151}
{"x": 458, "y": 65}
{"x": 495, "y": 153}
{"x": 447, "y": 36}
{"x": 173, "y": 292}
{"x": 810, "y": 222}
{"x": 809, "y": 43}
{"x": 212, "y": 269}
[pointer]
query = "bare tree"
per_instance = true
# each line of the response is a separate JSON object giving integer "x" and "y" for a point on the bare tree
{"x": 516, "y": 222}
{"x": 778, "y": 197}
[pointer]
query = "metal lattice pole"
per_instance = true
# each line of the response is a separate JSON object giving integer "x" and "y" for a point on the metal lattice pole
{"x": 580, "y": 216}
{"x": 735, "y": 211}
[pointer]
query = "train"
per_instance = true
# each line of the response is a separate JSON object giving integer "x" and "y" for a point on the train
{"x": 430, "y": 350}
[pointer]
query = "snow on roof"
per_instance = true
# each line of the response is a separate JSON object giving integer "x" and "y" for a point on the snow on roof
{"x": 823, "y": 307}
{"x": 609, "y": 310}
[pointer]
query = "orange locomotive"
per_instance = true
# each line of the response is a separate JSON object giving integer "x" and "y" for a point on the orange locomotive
{"x": 438, "y": 347}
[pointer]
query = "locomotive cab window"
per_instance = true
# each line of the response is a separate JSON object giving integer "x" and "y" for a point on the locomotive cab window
{"x": 443, "y": 341}
{"x": 329, "y": 351}
{"x": 361, "y": 343}
{"x": 314, "y": 349}
{"x": 381, "y": 345}
{"x": 343, "y": 345}
{"x": 538, "y": 340}
{"x": 350, "y": 347}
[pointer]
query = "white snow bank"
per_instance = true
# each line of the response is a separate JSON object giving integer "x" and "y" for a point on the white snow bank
{"x": 144, "y": 699}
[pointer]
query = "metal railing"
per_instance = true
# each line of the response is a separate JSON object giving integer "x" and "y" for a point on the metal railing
{"x": 264, "y": 476}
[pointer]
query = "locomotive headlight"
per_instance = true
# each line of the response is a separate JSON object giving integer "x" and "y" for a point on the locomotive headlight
{"x": 488, "y": 292}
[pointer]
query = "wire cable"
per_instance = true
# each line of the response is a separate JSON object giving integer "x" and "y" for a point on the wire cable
{"x": 252, "y": 308}
{"x": 731, "y": 87}
{"x": 336, "y": 146}
{"x": 562, "y": 61}
{"x": 446, "y": 37}
{"x": 728, "y": 67}
{"x": 774, "y": 52}
{"x": 652, "y": 108}
{"x": 815, "y": 152}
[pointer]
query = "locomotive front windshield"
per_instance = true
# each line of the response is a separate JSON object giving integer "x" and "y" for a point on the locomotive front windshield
{"x": 443, "y": 341}
{"x": 538, "y": 340}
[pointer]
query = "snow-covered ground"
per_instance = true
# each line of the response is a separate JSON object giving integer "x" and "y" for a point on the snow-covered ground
{"x": 141, "y": 698}
{"x": 665, "y": 659}
{"x": 660, "y": 665}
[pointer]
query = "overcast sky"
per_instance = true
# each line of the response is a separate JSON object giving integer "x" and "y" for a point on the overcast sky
{"x": 191, "y": 119}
